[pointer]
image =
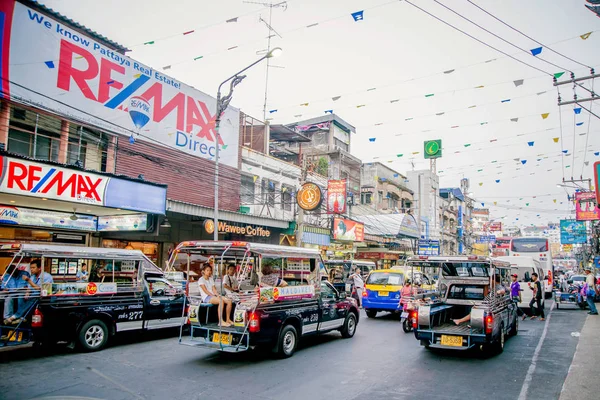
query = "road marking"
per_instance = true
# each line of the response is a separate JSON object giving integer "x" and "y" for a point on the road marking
{"x": 115, "y": 383}
{"x": 531, "y": 370}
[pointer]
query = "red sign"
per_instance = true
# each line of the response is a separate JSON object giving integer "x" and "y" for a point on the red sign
{"x": 345, "y": 229}
{"x": 495, "y": 226}
{"x": 586, "y": 208}
{"x": 91, "y": 288}
{"x": 336, "y": 197}
{"x": 30, "y": 178}
{"x": 368, "y": 256}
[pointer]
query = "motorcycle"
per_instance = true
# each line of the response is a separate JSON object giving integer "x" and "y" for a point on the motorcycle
{"x": 405, "y": 317}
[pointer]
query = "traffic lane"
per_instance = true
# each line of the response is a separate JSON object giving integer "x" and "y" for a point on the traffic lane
{"x": 380, "y": 360}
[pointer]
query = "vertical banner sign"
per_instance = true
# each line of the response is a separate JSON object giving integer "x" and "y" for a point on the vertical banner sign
{"x": 597, "y": 180}
{"x": 586, "y": 208}
{"x": 51, "y": 66}
{"x": 572, "y": 232}
{"x": 336, "y": 196}
{"x": 460, "y": 231}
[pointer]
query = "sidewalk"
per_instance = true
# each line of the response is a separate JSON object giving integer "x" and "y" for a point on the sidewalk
{"x": 582, "y": 380}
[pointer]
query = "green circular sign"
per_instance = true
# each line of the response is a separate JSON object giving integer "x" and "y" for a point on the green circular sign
{"x": 432, "y": 148}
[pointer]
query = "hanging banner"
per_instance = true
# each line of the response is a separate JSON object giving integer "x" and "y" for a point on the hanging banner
{"x": 572, "y": 232}
{"x": 345, "y": 229}
{"x": 586, "y": 208}
{"x": 336, "y": 196}
{"x": 495, "y": 226}
{"x": 429, "y": 248}
{"x": 52, "y": 66}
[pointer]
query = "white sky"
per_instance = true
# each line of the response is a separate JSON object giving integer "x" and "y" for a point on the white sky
{"x": 392, "y": 45}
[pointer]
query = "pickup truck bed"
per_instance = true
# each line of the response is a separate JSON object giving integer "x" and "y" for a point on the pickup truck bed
{"x": 452, "y": 329}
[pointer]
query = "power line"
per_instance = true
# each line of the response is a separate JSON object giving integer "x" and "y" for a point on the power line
{"x": 478, "y": 40}
{"x": 587, "y": 136}
{"x": 524, "y": 34}
{"x": 497, "y": 36}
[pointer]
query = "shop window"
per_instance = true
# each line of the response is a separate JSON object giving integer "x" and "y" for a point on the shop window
{"x": 248, "y": 187}
{"x": 149, "y": 249}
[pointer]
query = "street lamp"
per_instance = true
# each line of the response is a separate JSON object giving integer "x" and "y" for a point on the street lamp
{"x": 222, "y": 104}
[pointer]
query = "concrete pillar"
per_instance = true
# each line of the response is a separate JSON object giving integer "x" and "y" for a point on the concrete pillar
{"x": 4, "y": 121}
{"x": 111, "y": 155}
{"x": 63, "y": 146}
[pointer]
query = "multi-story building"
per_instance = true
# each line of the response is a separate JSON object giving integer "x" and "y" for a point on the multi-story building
{"x": 452, "y": 214}
{"x": 385, "y": 189}
{"x": 426, "y": 193}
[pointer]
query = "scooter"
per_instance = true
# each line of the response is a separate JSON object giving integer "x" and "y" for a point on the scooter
{"x": 405, "y": 317}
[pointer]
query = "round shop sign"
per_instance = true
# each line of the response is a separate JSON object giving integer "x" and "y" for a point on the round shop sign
{"x": 309, "y": 197}
{"x": 91, "y": 288}
{"x": 209, "y": 226}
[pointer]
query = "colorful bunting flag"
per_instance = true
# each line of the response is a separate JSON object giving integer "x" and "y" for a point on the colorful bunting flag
{"x": 197, "y": 58}
{"x": 482, "y": 204}
{"x": 449, "y": 71}
{"x": 597, "y": 153}
{"x": 151, "y": 42}
{"x": 399, "y": 155}
{"x": 358, "y": 15}
{"x": 468, "y": 144}
{"x": 336, "y": 98}
{"x": 328, "y": 111}
{"x": 504, "y": 101}
{"x": 232, "y": 20}
{"x": 555, "y": 139}
{"x": 523, "y": 162}
{"x": 536, "y": 51}
{"x": 545, "y": 115}
{"x": 49, "y": 64}
{"x": 254, "y": 178}
{"x": 530, "y": 144}
{"x": 527, "y": 204}
{"x": 131, "y": 139}
{"x": 565, "y": 151}
{"x": 480, "y": 183}
{"x": 558, "y": 75}
{"x": 518, "y": 82}
{"x": 579, "y": 123}
{"x": 372, "y": 139}
{"x": 272, "y": 111}
{"x": 188, "y": 32}
{"x": 585, "y": 35}
{"x": 514, "y": 119}
{"x": 497, "y": 180}
{"x": 577, "y": 110}
{"x": 430, "y": 95}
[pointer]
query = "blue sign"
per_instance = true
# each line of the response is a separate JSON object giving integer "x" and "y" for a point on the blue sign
{"x": 486, "y": 239}
{"x": 459, "y": 231}
{"x": 572, "y": 232}
{"x": 429, "y": 248}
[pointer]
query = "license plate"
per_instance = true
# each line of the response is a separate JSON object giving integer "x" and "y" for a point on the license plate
{"x": 404, "y": 314}
{"x": 223, "y": 338}
{"x": 384, "y": 294}
{"x": 454, "y": 341}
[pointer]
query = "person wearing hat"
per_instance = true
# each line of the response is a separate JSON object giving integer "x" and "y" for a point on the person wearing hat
{"x": 590, "y": 292}
{"x": 515, "y": 295}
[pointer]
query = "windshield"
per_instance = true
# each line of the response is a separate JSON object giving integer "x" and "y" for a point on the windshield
{"x": 465, "y": 269}
{"x": 529, "y": 245}
{"x": 523, "y": 273}
{"x": 579, "y": 278}
{"x": 385, "y": 278}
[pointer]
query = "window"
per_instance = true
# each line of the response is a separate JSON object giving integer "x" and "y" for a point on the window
{"x": 33, "y": 135}
{"x": 341, "y": 145}
{"x": 366, "y": 198}
{"x": 88, "y": 146}
{"x": 327, "y": 291}
{"x": 286, "y": 197}
{"x": 267, "y": 190}
{"x": 385, "y": 278}
{"x": 380, "y": 199}
{"x": 247, "y": 190}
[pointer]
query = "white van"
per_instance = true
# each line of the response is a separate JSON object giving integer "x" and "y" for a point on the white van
{"x": 524, "y": 267}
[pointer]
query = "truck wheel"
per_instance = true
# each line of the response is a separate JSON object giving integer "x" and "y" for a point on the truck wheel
{"x": 371, "y": 313}
{"x": 93, "y": 335}
{"x": 349, "y": 328}
{"x": 288, "y": 341}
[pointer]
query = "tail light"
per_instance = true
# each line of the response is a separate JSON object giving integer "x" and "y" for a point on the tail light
{"x": 489, "y": 324}
{"x": 549, "y": 277}
{"x": 254, "y": 322}
{"x": 37, "y": 319}
{"x": 365, "y": 293}
{"x": 415, "y": 319}
{"x": 187, "y": 314}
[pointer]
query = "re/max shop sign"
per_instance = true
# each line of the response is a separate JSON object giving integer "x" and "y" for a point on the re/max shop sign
{"x": 246, "y": 230}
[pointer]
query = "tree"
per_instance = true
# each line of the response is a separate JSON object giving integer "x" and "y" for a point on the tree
{"x": 323, "y": 167}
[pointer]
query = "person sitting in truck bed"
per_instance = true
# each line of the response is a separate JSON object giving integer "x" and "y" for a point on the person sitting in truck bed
{"x": 271, "y": 277}
{"x": 209, "y": 294}
{"x": 500, "y": 292}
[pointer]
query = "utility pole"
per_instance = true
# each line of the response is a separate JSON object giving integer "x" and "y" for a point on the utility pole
{"x": 303, "y": 175}
{"x": 576, "y": 84}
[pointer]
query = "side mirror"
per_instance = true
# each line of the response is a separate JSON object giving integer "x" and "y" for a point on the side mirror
{"x": 342, "y": 296}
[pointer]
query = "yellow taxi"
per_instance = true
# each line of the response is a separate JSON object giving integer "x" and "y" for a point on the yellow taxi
{"x": 382, "y": 291}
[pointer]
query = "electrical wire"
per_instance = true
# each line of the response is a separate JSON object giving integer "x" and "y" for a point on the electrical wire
{"x": 527, "y": 36}
{"x": 476, "y": 39}
{"x": 561, "y": 133}
{"x": 587, "y": 136}
{"x": 498, "y": 36}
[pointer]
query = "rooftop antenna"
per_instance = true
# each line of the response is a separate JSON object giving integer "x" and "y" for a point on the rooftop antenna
{"x": 272, "y": 33}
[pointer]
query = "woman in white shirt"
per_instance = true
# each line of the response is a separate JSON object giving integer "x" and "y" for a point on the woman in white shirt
{"x": 209, "y": 294}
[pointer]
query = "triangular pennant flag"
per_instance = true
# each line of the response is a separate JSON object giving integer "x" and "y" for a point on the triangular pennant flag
{"x": 482, "y": 204}
{"x": 430, "y": 95}
{"x": 577, "y": 110}
{"x": 558, "y": 75}
{"x": 497, "y": 180}
{"x": 449, "y": 71}
{"x": 372, "y": 139}
{"x": 579, "y": 123}
{"x": 523, "y": 162}
{"x": 151, "y": 42}
{"x": 565, "y": 151}
{"x": 359, "y": 106}
{"x": 399, "y": 155}
{"x": 505, "y": 101}
{"x": 232, "y": 20}
{"x": 328, "y": 111}
{"x": 586, "y": 163}
{"x": 527, "y": 204}
{"x": 554, "y": 200}
{"x": 585, "y": 35}
{"x": 336, "y": 98}
{"x": 49, "y": 64}
{"x": 545, "y": 115}
{"x": 197, "y": 58}
{"x": 514, "y": 119}
{"x": 495, "y": 203}
{"x": 468, "y": 144}
{"x": 597, "y": 153}
{"x": 272, "y": 111}
{"x": 254, "y": 178}
{"x": 304, "y": 105}
{"x": 518, "y": 82}
{"x": 358, "y": 15}
{"x": 530, "y": 144}
{"x": 536, "y": 51}
{"x": 131, "y": 139}
{"x": 480, "y": 183}
{"x": 188, "y": 32}
{"x": 555, "y": 139}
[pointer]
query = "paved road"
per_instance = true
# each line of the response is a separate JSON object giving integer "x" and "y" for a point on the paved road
{"x": 379, "y": 362}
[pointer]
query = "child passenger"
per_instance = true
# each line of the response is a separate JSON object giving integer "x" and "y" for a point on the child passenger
{"x": 209, "y": 294}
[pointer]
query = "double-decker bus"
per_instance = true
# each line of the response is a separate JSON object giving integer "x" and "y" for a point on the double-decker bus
{"x": 538, "y": 249}
{"x": 501, "y": 247}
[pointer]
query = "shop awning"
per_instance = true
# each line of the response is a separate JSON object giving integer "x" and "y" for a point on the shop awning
{"x": 390, "y": 225}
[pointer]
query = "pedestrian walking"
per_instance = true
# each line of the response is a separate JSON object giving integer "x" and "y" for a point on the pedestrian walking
{"x": 359, "y": 285}
{"x": 537, "y": 298}
{"x": 515, "y": 295}
{"x": 590, "y": 292}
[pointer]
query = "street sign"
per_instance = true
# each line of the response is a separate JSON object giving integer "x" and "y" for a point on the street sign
{"x": 486, "y": 239}
{"x": 572, "y": 232}
{"x": 429, "y": 248}
{"x": 433, "y": 148}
